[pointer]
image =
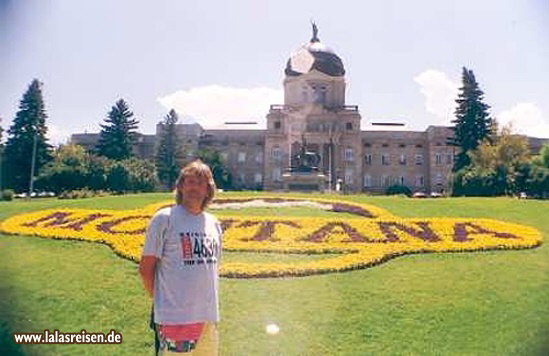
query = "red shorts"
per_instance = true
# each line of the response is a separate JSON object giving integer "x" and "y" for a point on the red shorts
{"x": 193, "y": 339}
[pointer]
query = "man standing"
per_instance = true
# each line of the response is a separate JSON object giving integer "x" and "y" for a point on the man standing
{"x": 180, "y": 267}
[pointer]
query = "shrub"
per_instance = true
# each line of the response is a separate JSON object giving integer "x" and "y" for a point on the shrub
{"x": 7, "y": 194}
{"x": 398, "y": 189}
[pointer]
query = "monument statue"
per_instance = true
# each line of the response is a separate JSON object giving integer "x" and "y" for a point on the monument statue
{"x": 305, "y": 161}
{"x": 315, "y": 32}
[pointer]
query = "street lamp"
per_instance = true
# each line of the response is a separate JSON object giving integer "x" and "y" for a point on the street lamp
{"x": 33, "y": 163}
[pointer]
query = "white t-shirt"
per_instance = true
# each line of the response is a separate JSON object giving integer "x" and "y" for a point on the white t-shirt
{"x": 186, "y": 277}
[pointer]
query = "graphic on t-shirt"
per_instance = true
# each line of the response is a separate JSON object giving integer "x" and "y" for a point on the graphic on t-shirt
{"x": 186, "y": 247}
{"x": 198, "y": 248}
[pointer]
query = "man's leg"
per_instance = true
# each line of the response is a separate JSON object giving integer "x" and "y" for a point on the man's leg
{"x": 206, "y": 345}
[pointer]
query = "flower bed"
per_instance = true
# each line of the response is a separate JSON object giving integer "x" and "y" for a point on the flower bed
{"x": 372, "y": 237}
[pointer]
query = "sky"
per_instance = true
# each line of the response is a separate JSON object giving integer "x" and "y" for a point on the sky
{"x": 217, "y": 61}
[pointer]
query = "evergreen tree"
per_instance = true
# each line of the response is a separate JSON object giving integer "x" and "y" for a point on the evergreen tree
{"x": 472, "y": 123}
{"x": 118, "y": 134}
{"x": 221, "y": 174}
{"x": 27, "y": 132}
{"x": 169, "y": 154}
{"x": 1, "y": 158}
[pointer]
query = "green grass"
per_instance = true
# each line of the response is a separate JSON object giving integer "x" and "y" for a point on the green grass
{"x": 484, "y": 303}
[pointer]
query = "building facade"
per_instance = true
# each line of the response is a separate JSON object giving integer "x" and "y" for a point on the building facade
{"x": 315, "y": 112}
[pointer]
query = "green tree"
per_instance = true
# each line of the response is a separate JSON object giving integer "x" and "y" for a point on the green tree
{"x": 25, "y": 135}
{"x": 68, "y": 170}
{"x": 221, "y": 174}
{"x": 542, "y": 159}
{"x": 472, "y": 123}
{"x": 496, "y": 168}
{"x": 169, "y": 154}
{"x": 1, "y": 158}
{"x": 118, "y": 134}
{"x": 132, "y": 175}
{"x": 537, "y": 182}
{"x": 142, "y": 175}
{"x": 98, "y": 170}
{"x": 118, "y": 178}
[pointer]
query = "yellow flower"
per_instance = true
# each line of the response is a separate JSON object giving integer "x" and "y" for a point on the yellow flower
{"x": 373, "y": 237}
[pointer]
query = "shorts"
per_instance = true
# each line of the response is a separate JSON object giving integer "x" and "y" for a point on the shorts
{"x": 188, "y": 339}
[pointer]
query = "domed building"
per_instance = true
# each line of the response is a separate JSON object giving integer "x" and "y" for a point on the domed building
{"x": 314, "y": 111}
{"x": 314, "y": 142}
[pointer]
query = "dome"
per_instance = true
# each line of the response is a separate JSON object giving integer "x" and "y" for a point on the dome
{"x": 314, "y": 55}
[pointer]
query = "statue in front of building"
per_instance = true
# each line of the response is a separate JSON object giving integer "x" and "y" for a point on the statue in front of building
{"x": 305, "y": 161}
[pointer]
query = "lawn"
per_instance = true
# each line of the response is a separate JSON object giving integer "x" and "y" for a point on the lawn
{"x": 491, "y": 303}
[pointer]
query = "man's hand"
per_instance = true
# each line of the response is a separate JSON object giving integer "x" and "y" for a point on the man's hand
{"x": 147, "y": 267}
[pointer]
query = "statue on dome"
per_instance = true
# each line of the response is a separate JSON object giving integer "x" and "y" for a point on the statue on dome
{"x": 315, "y": 32}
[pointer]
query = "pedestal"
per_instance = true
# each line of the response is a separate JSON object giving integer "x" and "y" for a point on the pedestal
{"x": 304, "y": 181}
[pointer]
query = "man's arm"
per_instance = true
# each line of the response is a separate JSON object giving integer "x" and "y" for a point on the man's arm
{"x": 147, "y": 267}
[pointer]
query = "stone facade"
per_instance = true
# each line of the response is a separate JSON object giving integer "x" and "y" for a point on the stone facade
{"x": 314, "y": 109}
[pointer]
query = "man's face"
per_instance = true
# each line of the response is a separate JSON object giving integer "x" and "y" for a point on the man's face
{"x": 194, "y": 188}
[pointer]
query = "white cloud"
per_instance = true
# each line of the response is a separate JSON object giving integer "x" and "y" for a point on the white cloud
{"x": 440, "y": 94}
{"x": 57, "y": 135}
{"x": 526, "y": 119}
{"x": 212, "y": 105}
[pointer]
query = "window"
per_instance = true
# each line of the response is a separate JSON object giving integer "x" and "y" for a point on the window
{"x": 319, "y": 94}
{"x": 367, "y": 181}
{"x": 241, "y": 157}
{"x": 385, "y": 180}
{"x": 419, "y": 181}
{"x": 402, "y": 159}
{"x": 349, "y": 126}
{"x": 438, "y": 158}
{"x": 449, "y": 158}
{"x": 277, "y": 176}
{"x": 349, "y": 154}
{"x": 259, "y": 157}
{"x": 277, "y": 125}
{"x": 439, "y": 179}
{"x": 385, "y": 159}
{"x": 258, "y": 178}
{"x": 348, "y": 175}
{"x": 241, "y": 177}
{"x": 419, "y": 159}
{"x": 385, "y": 145}
{"x": 224, "y": 156}
{"x": 276, "y": 154}
{"x": 368, "y": 159}
{"x": 401, "y": 180}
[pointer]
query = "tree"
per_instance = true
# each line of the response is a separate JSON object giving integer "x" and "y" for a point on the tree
{"x": 118, "y": 134}
{"x": 496, "y": 168}
{"x": 537, "y": 182}
{"x": 67, "y": 171}
{"x": 169, "y": 154}
{"x": 25, "y": 135}
{"x": 542, "y": 159}
{"x": 1, "y": 158}
{"x": 221, "y": 174}
{"x": 472, "y": 123}
{"x": 132, "y": 175}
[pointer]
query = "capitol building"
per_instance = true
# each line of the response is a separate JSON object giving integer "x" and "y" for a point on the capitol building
{"x": 316, "y": 119}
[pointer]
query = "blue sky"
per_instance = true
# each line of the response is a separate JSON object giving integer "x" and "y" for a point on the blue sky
{"x": 224, "y": 60}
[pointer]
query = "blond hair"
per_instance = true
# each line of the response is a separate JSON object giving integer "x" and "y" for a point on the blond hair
{"x": 199, "y": 169}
